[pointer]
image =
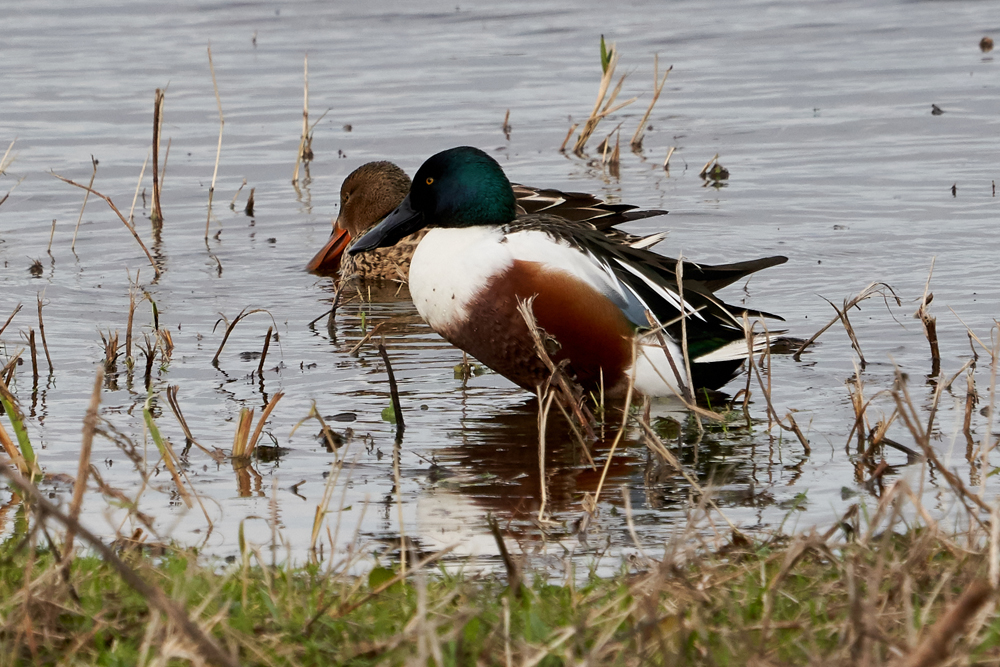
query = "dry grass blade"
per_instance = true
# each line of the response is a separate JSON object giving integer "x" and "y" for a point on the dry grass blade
{"x": 34, "y": 354}
{"x": 93, "y": 175}
{"x": 263, "y": 352}
{"x": 305, "y": 140}
{"x": 755, "y": 370}
{"x": 41, "y": 331}
{"x": 218, "y": 150}
{"x": 167, "y": 454}
{"x": 658, "y": 84}
{"x": 217, "y": 455}
{"x": 929, "y": 323}
{"x": 873, "y": 289}
{"x": 83, "y": 469}
{"x": 206, "y": 646}
{"x": 598, "y": 113}
{"x": 120, "y": 216}
{"x": 17, "y": 308}
{"x": 571, "y": 395}
{"x": 232, "y": 325}
{"x": 135, "y": 195}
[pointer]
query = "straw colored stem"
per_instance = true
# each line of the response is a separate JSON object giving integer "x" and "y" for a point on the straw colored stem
{"x": 304, "y": 139}
{"x": 121, "y": 217}
{"x": 218, "y": 150}
{"x": 79, "y": 219}
{"x": 41, "y": 331}
{"x": 263, "y": 353}
{"x": 83, "y": 468}
{"x": 5, "y": 324}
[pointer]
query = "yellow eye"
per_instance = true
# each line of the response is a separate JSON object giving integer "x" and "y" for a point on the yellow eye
{"x": 430, "y": 181}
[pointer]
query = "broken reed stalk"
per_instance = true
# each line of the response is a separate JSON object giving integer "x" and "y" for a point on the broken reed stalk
{"x": 83, "y": 468}
{"x": 598, "y": 113}
{"x": 232, "y": 204}
{"x": 393, "y": 392}
{"x": 156, "y": 216}
{"x": 244, "y": 442}
{"x": 167, "y": 454}
{"x": 128, "y": 326}
{"x": 121, "y": 217}
{"x": 249, "y": 207}
{"x": 41, "y": 331}
{"x": 218, "y": 150}
{"x": 929, "y": 323}
{"x": 263, "y": 353}
{"x": 93, "y": 175}
{"x": 154, "y": 595}
{"x": 658, "y": 84}
{"x": 621, "y": 429}
{"x": 232, "y": 325}
{"x": 666, "y": 162}
{"x": 52, "y": 236}
{"x": 5, "y": 324}
{"x": 304, "y": 139}
{"x": 34, "y": 354}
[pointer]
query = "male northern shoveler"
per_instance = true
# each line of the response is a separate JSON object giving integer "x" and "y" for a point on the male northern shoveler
{"x": 592, "y": 295}
{"x": 375, "y": 189}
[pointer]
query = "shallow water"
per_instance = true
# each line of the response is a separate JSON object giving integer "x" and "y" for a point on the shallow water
{"x": 821, "y": 112}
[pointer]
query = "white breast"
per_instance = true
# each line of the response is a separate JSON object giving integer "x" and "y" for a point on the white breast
{"x": 449, "y": 266}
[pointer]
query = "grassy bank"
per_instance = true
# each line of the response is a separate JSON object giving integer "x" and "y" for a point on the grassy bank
{"x": 872, "y": 589}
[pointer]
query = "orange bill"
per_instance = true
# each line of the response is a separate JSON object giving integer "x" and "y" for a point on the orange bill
{"x": 327, "y": 260}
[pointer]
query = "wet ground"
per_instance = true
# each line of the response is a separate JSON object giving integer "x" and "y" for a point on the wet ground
{"x": 821, "y": 113}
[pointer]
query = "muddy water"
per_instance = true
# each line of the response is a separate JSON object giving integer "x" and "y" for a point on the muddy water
{"x": 821, "y": 113}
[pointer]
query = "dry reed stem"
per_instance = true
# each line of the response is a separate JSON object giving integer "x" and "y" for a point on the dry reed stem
{"x": 6, "y": 160}
{"x": 114, "y": 208}
{"x": 653, "y": 442}
{"x": 128, "y": 325}
{"x": 232, "y": 204}
{"x": 871, "y": 290}
{"x": 658, "y": 84}
{"x": 250, "y": 201}
{"x": 156, "y": 215}
{"x": 247, "y": 446}
{"x": 571, "y": 395}
{"x": 910, "y": 416}
{"x": 598, "y": 114}
{"x": 263, "y": 352}
{"x": 232, "y": 325}
{"x": 935, "y": 647}
{"x": 393, "y": 392}
{"x": 218, "y": 150}
{"x": 686, "y": 388}
{"x": 621, "y": 428}
{"x": 138, "y": 185}
{"x": 562, "y": 148}
{"x": 52, "y": 236}
{"x": 506, "y": 125}
{"x": 704, "y": 170}
{"x": 34, "y": 354}
{"x": 5, "y": 324}
{"x": 83, "y": 468}
{"x": 86, "y": 196}
{"x": 154, "y": 595}
{"x": 12, "y": 451}
{"x": 218, "y": 456}
{"x": 666, "y": 161}
{"x": 41, "y": 331}
{"x": 543, "y": 422}
{"x": 304, "y": 139}
{"x": 930, "y": 323}
{"x": 755, "y": 370}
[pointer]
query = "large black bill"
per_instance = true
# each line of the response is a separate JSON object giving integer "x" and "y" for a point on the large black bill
{"x": 400, "y": 223}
